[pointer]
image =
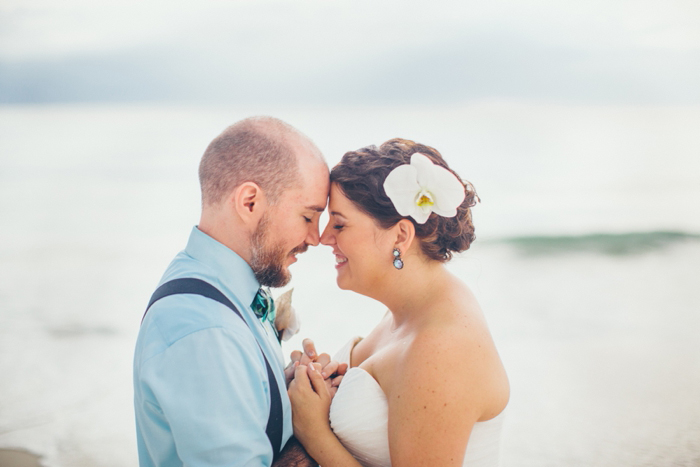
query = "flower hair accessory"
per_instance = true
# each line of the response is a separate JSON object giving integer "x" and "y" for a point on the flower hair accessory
{"x": 421, "y": 187}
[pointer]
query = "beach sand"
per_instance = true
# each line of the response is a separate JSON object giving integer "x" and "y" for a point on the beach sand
{"x": 16, "y": 458}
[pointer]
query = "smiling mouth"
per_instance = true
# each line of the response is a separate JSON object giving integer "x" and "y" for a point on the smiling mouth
{"x": 300, "y": 249}
{"x": 340, "y": 259}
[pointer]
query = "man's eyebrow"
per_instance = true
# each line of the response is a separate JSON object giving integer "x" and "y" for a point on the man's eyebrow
{"x": 316, "y": 208}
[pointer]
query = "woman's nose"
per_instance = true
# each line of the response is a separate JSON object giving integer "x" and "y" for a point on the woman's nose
{"x": 327, "y": 237}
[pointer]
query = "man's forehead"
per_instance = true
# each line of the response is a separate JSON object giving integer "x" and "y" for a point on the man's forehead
{"x": 315, "y": 190}
{"x": 304, "y": 199}
{"x": 316, "y": 208}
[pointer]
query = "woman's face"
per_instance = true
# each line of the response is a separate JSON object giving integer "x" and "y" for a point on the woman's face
{"x": 363, "y": 251}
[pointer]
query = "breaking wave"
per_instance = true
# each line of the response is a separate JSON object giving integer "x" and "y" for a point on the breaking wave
{"x": 618, "y": 244}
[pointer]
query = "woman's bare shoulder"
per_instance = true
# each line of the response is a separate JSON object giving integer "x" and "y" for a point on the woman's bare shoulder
{"x": 457, "y": 352}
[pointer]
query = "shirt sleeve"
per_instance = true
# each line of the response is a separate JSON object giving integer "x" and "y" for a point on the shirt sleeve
{"x": 212, "y": 389}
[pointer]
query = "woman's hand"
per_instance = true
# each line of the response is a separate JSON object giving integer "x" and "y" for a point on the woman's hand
{"x": 331, "y": 370}
{"x": 311, "y": 402}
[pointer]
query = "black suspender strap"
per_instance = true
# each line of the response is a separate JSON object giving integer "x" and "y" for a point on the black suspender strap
{"x": 205, "y": 289}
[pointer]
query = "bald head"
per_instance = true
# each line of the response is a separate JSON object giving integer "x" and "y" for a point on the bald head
{"x": 264, "y": 150}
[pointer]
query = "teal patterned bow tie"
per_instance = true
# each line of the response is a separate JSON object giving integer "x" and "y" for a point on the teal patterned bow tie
{"x": 263, "y": 306}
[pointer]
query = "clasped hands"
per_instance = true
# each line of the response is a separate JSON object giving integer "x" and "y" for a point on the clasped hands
{"x": 331, "y": 371}
{"x": 312, "y": 381}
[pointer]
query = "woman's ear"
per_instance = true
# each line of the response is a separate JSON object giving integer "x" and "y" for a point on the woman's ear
{"x": 248, "y": 201}
{"x": 405, "y": 234}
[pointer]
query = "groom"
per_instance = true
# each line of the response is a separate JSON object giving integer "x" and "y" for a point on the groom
{"x": 209, "y": 385}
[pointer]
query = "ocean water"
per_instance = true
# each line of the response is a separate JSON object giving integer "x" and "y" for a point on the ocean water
{"x": 586, "y": 265}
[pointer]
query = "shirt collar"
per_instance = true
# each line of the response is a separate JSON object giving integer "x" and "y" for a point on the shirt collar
{"x": 232, "y": 270}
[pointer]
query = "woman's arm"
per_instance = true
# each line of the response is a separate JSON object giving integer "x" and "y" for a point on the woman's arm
{"x": 311, "y": 402}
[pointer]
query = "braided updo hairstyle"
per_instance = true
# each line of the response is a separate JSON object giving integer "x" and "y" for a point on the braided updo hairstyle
{"x": 360, "y": 176}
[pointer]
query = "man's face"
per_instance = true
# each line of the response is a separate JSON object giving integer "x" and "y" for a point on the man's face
{"x": 289, "y": 227}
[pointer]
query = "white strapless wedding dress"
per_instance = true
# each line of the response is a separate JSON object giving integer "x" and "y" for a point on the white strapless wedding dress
{"x": 359, "y": 417}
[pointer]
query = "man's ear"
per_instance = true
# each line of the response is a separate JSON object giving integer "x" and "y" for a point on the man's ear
{"x": 249, "y": 202}
{"x": 405, "y": 234}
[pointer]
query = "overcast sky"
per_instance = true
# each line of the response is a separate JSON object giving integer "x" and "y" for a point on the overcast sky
{"x": 350, "y": 51}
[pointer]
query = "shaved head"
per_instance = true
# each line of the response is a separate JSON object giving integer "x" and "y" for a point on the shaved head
{"x": 257, "y": 149}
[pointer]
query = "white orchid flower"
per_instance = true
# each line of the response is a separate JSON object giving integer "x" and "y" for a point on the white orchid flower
{"x": 421, "y": 187}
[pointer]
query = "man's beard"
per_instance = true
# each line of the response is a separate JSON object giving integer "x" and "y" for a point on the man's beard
{"x": 267, "y": 262}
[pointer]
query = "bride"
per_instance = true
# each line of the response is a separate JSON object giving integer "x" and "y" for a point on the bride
{"x": 426, "y": 386}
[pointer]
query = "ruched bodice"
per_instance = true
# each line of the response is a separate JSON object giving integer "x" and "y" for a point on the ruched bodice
{"x": 359, "y": 418}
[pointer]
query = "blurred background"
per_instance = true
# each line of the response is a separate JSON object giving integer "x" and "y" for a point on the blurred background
{"x": 577, "y": 122}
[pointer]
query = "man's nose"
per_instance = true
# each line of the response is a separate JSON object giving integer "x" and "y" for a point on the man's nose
{"x": 313, "y": 237}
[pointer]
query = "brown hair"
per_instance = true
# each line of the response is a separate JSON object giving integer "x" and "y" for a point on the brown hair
{"x": 256, "y": 149}
{"x": 360, "y": 176}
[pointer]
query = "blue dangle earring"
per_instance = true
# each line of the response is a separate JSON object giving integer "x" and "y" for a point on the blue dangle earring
{"x": 398, "y": 262}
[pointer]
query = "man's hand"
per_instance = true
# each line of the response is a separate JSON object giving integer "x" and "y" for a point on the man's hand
{"x": 331, "y": 370}
{"x": 299, "y": 358}
{"x": 294, "y": 455}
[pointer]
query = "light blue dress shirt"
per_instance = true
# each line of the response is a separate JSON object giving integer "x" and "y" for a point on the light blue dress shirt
{"x": 201, "y": 392}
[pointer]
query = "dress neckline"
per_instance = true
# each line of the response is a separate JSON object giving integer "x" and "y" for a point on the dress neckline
{"x": 378, "y": 386}
{"x": 368, "y": 373}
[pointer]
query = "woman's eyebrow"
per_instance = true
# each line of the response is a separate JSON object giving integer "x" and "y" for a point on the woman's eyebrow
{"x": 336, "y": 213}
